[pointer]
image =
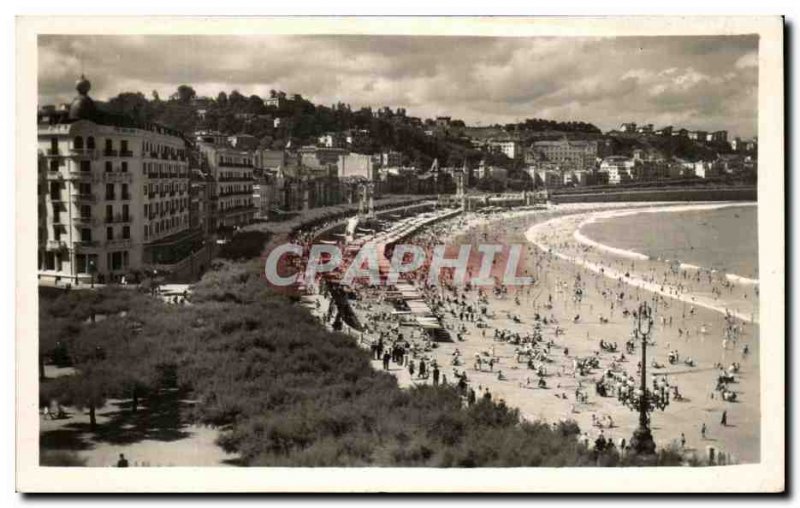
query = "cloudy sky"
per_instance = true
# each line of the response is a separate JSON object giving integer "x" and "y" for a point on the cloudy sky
{"x": 697, "y": 82}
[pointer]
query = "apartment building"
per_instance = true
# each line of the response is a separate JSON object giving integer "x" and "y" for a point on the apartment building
{"x": 231, "y": 174}
{"x": 569, "y": 154}
{"x": 618, "y": 168}
{"x": 113, "y": 194}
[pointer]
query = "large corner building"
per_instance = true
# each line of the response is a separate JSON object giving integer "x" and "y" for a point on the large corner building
{"x": 113, "y": 195}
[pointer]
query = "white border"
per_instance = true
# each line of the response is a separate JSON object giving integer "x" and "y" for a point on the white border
{"x": 767, "y": 476}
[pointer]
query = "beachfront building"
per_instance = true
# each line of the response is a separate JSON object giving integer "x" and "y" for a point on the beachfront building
{"x": 113, "y": 194}
{"x": 510, "y": 149}
{"x": 569, "y": 154}
{"x": 231, "y": 171}
{"x": 618, "y": 168}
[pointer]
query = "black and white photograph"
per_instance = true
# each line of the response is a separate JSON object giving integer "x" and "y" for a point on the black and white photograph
{"x": 326, "y": 246}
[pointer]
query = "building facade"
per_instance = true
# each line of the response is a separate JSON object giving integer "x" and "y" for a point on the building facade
{"x": 231, "y": 173}
{"x": 113, "y": 195}
{"x": 618, "y": 168}
{"x": 569, "y": 154}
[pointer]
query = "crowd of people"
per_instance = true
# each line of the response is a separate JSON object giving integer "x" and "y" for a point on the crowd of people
{"x": 508, "y": 338}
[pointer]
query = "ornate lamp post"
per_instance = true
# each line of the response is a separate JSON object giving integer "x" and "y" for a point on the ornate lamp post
{"x": 92, "y": 270}
{"x": 642, "y": 440}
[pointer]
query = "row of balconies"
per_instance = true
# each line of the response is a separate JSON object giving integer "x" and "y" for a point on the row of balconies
{"x": 234, "y": 165}
{"x": 164, "y": 194}
{"x": 88, "y": 176}
{"x": 89, "y": 198}
{"x": 119, "y": 243}
{"x": 164, "y": 156}
{"x": 166, "y": 175}
{"x": 235, "y": 179}
{"x": 236, "y": 209}
{"x": 223, "y": 194}
{"x": 167, "y": 211}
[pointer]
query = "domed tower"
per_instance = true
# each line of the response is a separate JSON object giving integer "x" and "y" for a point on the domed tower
{"x": 83, "y": 105}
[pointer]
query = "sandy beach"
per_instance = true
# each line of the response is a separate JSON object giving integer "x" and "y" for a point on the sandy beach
{"x": 689, "y": 306}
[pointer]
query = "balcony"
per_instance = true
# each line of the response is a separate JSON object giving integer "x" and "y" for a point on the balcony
{"x": 125, "y": 153}
{"x": 55, "y": 198}
{"x": 86, "y": 244}
{"x": 54, "y": 176}
{"x": 84, "y": 198}
{"x": 236, "y": 193}
{"x": 84, "y": 220}
{"x": 121, "y": 243}
{"x": 55, "y": 245}
{"x": 118, "y": 219}
{"x": 52, "y": 153}
{"x": 83, "y": 153}
{"x": 118, "y": 177}
{"x": 234, "y": 165}
{"x": 81, "y": 176}
{"x": 110, "y": 153}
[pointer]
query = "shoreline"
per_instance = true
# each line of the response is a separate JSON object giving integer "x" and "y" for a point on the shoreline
{"x": 634, "y": 255}
{"x": 558, "y": 225}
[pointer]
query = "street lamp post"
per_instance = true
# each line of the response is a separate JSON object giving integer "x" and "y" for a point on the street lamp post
{"x": 642, "y": 440}
{"x": 92, "y": 270}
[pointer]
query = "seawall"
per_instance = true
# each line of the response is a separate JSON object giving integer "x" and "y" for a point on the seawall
{"x": 662, "y": 194}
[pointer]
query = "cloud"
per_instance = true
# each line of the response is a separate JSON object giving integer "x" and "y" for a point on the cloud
{"x": 704, "y": 82}
{"x": 747, "y": 60}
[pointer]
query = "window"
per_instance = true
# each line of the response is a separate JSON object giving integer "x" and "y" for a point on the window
{"x": 125, "y": 213}
{"x": 125, "y": 191}
{"x": 54, "y": 165}
{"x": 124, "y": 167}
{"x": 146, "y": 232}
{"x": 123, "y": 145}
{"x": 90, "y": 143}
{"x": 86, "y": 165}
{"x": 109, "y": 145}
{"x": 108, "y": 167}
{"x": 110, "y": 191}
{"x": 77, "y": 143}
{"x": 53, "y": 145}
{"x": 109, "y": 213}
{"x": 126, "y": 232}
{"x": 86, "y": 211}
{"x": 86, "y": 235}
{"x": 55, "y": 191}
{"x": 56, "y": 233}
{"x": 116, "y": 260}
{"x": 109, "y": 233}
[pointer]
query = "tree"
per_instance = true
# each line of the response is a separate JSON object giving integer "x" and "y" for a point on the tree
{"x": 184, "y": 94}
